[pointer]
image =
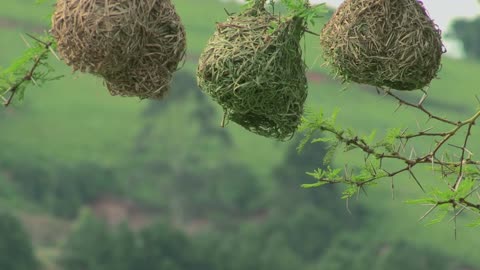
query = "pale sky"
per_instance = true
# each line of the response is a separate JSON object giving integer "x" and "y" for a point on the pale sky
{"x": 443, "y": 12}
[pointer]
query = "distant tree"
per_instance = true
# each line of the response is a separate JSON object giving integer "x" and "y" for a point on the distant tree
{"x": 89, "y": 246}
{"x": 94, "y": 246}
{"x": 60, "y": 188}
{"x": 355, "y": 252}
{"x": 278, "y": 254}
{"x": 16, "y": 251}
{"x": 309, "y": 231}
{"x": 233, "y": 188}
{"x": 308, "y": 218}
{"x": 184, "y": 85}
{"x": 31, "y": 180}
{"x": 466, "y": 31}
{"x": 163, "y": 248}
{"x": 125, "y": 248}
{"x": 227, "y": 189}
{"x": 251, "y": 247}
{"x": 76, "y": 185}
{"x": 290, "y": 174}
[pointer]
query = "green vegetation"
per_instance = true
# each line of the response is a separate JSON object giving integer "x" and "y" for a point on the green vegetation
{"x": 16, "y": 252}
{"x": 381, "y": 255}
{"x": 232, "y": 196}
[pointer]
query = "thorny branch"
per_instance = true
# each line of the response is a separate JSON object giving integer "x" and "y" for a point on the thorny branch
{"x": 29, "y": 76}
{"x": 460, "y": 195}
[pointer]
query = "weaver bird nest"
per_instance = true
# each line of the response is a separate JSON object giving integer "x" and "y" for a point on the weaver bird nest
{"x": 135, "y": 45}
{"x": 384, "y": 43}
{"x": 253, "y": 68}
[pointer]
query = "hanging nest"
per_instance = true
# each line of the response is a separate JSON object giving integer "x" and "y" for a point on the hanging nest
{"x": 147, "y": 81}
{"x": 384, "y": 43}
{"x": 121, "y": 38}
{"x": 253, "y": 68}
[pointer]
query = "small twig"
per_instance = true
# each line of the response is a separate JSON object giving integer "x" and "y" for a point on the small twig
{"x": 310, "y": 32}
{"x": 228, "y": 13}
{"x": 462, "y": 158}
{"x": 428, "y": 212}
{"x": 224, "y": 119}
{"x": 416, "y": 180}
{"x": 420, "y": 107}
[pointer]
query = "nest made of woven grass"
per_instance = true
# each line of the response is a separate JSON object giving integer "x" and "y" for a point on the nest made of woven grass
{"x": 143, "y": 81}
{"x": 384, "y": 43}
{"x": 121, "y": 38}
{"x": 253, "y": 68}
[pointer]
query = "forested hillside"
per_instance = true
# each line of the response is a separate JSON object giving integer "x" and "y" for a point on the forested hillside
{"x": 102, "y": 182}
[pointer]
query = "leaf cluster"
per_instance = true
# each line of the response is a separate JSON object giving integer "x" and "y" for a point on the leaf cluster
{"x": 296, "y": 8}
{"x": 31, "y": 68}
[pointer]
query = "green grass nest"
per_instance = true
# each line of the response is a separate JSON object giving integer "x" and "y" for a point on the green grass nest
{"x": 384, "y": 43}
{"x": 253, "y": 68}
{"x": 134, "y": 44}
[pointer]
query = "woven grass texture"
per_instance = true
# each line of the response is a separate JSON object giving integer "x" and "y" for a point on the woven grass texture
{"x": 147, "y": 81}
{"x": 384, "y": 43}
{"x": 253, "y": 68}
{"x": 134, "y": 44}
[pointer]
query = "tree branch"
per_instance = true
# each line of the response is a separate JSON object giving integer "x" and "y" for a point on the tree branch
{"x": 394, "y": 149}
{"x": 29, "y": 75}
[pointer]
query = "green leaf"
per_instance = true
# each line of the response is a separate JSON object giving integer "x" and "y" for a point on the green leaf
{"x": 421, "y": 201}
{"x": 467, "y": 185}
{"x": 370, "y": 138}
{"x": 317, "y": 174}
{"x": 349, "y": 192}
{"x": 474, "y": 224}
{"x": 442, "y": 212}
{"x": 322, "y": 139}
{"x": 314, "y": 185}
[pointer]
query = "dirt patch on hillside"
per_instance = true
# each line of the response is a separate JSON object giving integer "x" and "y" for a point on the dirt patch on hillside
{"x": 45, "y": 230}
{"x": 116, "y": 210}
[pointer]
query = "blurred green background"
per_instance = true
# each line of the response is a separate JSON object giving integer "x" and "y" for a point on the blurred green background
{"x": 94, "y": 182}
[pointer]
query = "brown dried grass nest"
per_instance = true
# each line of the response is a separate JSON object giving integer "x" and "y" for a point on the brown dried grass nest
{"x": 144, "y": 81}
{"x": 134, "y": 44}
{"x": 253, "y": 68}
{"x": 384, "y": 43}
